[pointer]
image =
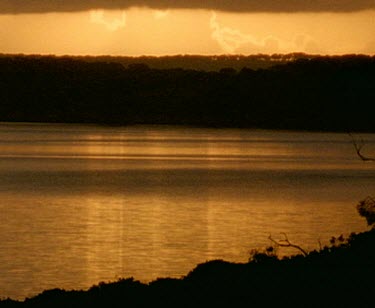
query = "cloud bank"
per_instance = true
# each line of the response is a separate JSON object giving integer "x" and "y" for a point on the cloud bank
{"x": 44, "y": 6}
{"x": 234, "y": 41}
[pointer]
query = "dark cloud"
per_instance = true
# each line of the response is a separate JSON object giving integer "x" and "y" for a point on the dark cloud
{"x": 40, "y": 6}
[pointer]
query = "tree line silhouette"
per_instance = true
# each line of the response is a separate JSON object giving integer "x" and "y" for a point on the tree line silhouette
{"x": 199, "y": 62}
{"x": 310, "y": 93}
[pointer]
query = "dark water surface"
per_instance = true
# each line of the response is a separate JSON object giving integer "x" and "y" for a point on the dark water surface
{"x": 83, "y": 204}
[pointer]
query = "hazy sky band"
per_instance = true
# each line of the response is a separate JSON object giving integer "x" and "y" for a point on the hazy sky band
{"x": 45, "y": 6}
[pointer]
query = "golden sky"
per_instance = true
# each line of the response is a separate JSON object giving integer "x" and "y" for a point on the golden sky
{"x": 207, "y": 30}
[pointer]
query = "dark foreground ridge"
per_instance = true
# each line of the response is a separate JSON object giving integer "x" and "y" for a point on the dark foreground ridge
{"x": 310, "y": 93}
{"x": 341, "y": 275}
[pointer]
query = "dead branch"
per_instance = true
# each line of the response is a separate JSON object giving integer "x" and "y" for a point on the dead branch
{"x": 320, "y": 244}
{"x": 358, "y": 145}
{"x": 286, "y": 243}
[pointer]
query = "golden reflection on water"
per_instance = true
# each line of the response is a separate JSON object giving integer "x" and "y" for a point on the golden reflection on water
{"x": 154, "y": 145}
{"x": 84, "y": 204}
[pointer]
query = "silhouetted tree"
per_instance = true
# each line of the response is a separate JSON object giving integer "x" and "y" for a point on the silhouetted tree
{"x": 366, "y": 208}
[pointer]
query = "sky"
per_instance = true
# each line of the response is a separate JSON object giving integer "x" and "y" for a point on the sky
{"x": 171, "y": 27}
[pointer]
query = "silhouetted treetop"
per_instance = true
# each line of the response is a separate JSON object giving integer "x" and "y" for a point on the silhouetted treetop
{"x": 366, "y": 208}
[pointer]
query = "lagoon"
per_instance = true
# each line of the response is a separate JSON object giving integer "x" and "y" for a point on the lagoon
{"x": 82, "y": 204}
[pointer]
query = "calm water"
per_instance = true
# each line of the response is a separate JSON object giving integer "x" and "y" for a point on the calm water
{"x": 84, "y": 204}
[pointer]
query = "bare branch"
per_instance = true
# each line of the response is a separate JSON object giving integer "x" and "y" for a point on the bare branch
{"x": 358, "y": 147}
{"x": 286, "y": 243}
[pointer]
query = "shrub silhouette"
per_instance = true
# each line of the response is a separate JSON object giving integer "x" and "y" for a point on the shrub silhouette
{"x": 366, "y": 208}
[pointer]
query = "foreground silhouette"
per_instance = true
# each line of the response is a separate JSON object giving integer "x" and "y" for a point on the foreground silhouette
{"x": 339, "y": 275}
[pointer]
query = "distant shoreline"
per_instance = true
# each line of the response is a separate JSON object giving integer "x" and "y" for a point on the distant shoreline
{"x": 322, "y": 93}
{"x": 185, "y": 126}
